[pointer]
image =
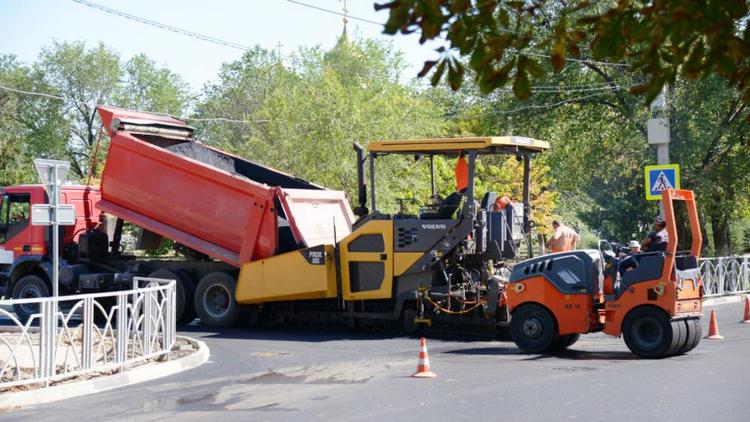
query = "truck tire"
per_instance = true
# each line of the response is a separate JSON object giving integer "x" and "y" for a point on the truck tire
{"x": 411, "y": 328}
{"x": 563, "y": 342}
{"x": 214, "y": 300}
{"x": 29, "y": 287}
{"x": 533, "y": 328}
{"x": 185, "y": 293}
{"x": 104, "y": 314}
{"x": 648, "y": 332}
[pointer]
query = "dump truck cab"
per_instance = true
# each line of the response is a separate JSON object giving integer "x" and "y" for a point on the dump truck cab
{"x": 654, "y": 304}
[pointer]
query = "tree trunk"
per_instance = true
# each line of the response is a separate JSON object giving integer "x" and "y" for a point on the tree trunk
{"x": 721, "y": 235}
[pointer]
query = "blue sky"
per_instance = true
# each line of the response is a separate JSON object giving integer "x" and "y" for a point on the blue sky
{"x": 28, "y": 25}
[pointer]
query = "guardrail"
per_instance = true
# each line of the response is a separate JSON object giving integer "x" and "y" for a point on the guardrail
{"x": 725, "y": 275}
{"x": 71, "y": 335}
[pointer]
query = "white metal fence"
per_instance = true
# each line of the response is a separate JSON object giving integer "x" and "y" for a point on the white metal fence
{"x": 87, "y": 332}
{"x": 726, "y": 275}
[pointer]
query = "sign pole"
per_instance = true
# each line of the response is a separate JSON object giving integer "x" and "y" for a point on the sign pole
{"x": 52, "y": 173}
{"x": 55, "y": 232}
{"x": 658, "y": 133}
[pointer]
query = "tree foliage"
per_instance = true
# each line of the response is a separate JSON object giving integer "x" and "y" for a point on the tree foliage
{"x": 302, "y": 117}
{"x": 599, "y": 149}
{"x": 508, "y": 41}
{"x": 39, "y": 126}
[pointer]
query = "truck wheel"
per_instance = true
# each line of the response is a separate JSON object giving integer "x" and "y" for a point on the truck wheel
{"x": 185, "y": 291}
{"x": 648, "y": 332}
{"x": 104, "y": 314}
{"x": 563, "y": 342}
{"x": 214, "y": 300}
{"x": 533, "y": 328}
{"x": 29, "y": 287}
{"x": 411, "y": 328}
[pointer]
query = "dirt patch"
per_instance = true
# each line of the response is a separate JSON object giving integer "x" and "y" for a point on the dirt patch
{"x": 181, "y": 349}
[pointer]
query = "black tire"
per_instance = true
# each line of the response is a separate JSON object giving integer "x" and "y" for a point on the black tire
{"x": 185, "y": 293}
{"x": 29, "y": 287}
{"x": 694, "y": 334}
{"x": 563, "y": 342}
{"x": 410, "y": 327}
{"x": 533, "y": 328}
{"x": 648, "y": 332}
{"x": 214, "y": 300}
{"x": 101, "y": 315}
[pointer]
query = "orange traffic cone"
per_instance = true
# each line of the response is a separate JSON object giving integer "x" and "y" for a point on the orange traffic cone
{"x": 423, "y": 367}
{"x": 746, "y": 318}
{"x": 713, "y": 328}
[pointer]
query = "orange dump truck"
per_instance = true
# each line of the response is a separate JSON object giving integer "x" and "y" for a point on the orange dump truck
{"x": 219, "y": 209}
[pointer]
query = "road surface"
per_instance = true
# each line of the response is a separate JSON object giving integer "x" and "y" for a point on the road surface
{"x": 297, "y": 375}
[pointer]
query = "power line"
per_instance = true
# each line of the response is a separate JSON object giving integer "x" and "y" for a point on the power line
{"x": 569, "y": 59}
{"x": 230, "y": 44}
{"x": 333, "y": 12}
{"x": 73, "y": 100}
{"x": 528, "y": 107}
{"x": 512, "y": 51}
{"x": 164, "y": 26}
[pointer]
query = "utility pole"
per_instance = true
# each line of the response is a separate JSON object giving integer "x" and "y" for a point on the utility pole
{"x": 278, "y": 50}
{"x": 658, "y": 132}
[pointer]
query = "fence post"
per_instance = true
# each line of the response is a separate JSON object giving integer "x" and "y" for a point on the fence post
{"x": 147, "y": 314}
{"x": 745, "y": 270}
{"x": 88, "y": 328}
{"x": 47, "y": 343}
{"x": 122, "y": 327}
{"x": 169, "y": 316}
{"x": 720, "y": 275}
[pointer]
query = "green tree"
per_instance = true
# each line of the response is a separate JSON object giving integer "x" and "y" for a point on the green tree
{"x": 507, "y": 41}
{"x": 42, "y": 126}
{"x": 87, "y": 77}
{"x": 598, "y": 148}
{"x": 303, "y": 116}
{"x": 147, "y": 87}
{"x": 29, "y": 127}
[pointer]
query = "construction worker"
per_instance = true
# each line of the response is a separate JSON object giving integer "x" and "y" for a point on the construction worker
{"x": 629, "y": 262}
{"x": 462, "y": 173}
{"x": 563, "y": 239}
{"x": 657, "y": 239}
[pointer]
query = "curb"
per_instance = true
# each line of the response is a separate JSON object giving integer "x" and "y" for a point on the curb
{"x": 139, "y": 374}
{"x": 713, "y": 301}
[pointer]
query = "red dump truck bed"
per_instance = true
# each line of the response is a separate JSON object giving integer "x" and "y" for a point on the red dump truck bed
{"x": 234, "y": 210}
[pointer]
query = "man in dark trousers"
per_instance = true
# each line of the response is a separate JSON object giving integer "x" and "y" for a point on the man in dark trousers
{"x": 657, "y": 239}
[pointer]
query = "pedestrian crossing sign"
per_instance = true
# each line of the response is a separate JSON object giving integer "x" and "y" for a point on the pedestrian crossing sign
{"x": 661, "y": 177}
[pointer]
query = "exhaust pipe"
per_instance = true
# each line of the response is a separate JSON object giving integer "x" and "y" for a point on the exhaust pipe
{"x": 361, "y": 210}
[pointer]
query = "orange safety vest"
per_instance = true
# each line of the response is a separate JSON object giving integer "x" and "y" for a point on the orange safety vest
{"x": 462, "y": 174}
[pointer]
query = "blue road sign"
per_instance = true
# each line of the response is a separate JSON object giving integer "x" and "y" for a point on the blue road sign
{"x": 661, "y": 177}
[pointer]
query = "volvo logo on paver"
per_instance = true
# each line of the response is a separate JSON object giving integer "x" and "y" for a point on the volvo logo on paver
{"x": 434, "y": 226}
